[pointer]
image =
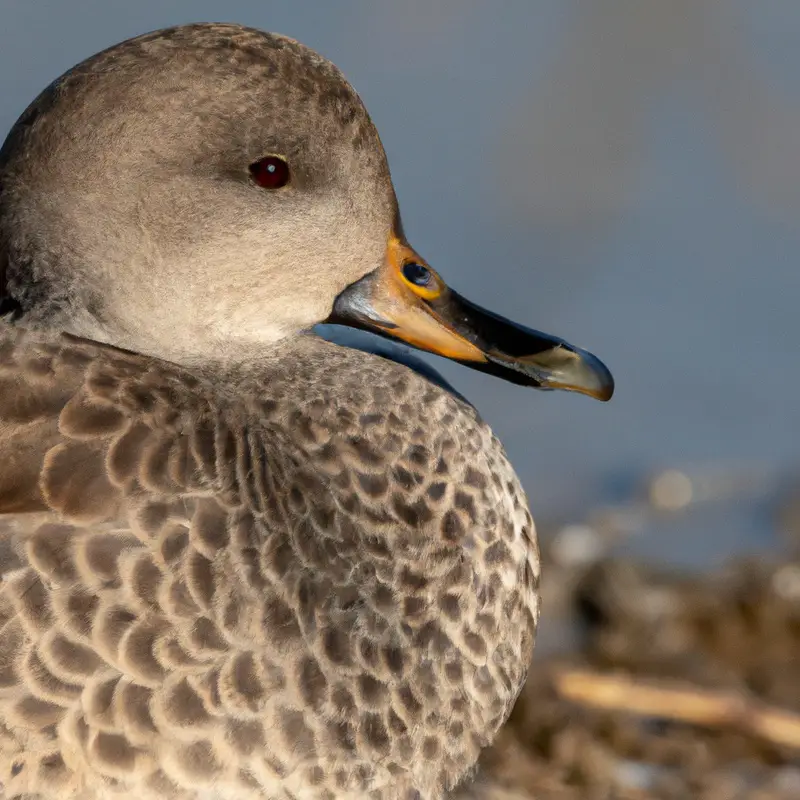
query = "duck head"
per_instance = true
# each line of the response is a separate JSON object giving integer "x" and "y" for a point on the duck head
{"x": 203, "y": 193}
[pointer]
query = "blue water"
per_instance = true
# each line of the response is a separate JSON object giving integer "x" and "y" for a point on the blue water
{"x": 684, "y": 278}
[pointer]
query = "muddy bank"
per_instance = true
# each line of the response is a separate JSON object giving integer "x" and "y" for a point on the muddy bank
{"x": 674, "y": 686}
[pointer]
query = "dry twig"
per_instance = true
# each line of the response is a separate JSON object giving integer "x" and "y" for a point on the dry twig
{"x": 681, "y": 703}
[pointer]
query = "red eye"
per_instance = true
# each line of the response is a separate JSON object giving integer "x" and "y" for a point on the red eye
{"x": 271, "y": 172}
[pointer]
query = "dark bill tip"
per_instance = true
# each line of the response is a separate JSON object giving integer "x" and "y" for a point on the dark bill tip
{"x": 528, "y": 357}
{"x": 562, "y": 367}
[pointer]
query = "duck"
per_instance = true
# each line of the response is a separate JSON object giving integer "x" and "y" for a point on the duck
{"x": 240, "y": 559}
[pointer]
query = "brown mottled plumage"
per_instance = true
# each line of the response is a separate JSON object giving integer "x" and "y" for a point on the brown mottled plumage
{"x": 326, "y": 581}
{"x": 238, "y": 561}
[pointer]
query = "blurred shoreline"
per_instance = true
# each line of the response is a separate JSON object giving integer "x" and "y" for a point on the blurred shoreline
{"x": 652, "y": 682}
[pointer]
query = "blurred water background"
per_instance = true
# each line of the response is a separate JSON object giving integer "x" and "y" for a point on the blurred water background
{"x": 623, "y": 173}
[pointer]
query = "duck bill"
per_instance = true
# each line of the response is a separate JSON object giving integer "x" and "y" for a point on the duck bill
{"x": 439, "y": 320}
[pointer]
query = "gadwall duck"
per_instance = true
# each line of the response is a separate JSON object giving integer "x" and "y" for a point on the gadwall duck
{"x": 239, "y": 560}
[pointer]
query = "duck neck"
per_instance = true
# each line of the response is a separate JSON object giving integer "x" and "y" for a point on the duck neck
{"x": 382, "y": 443}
